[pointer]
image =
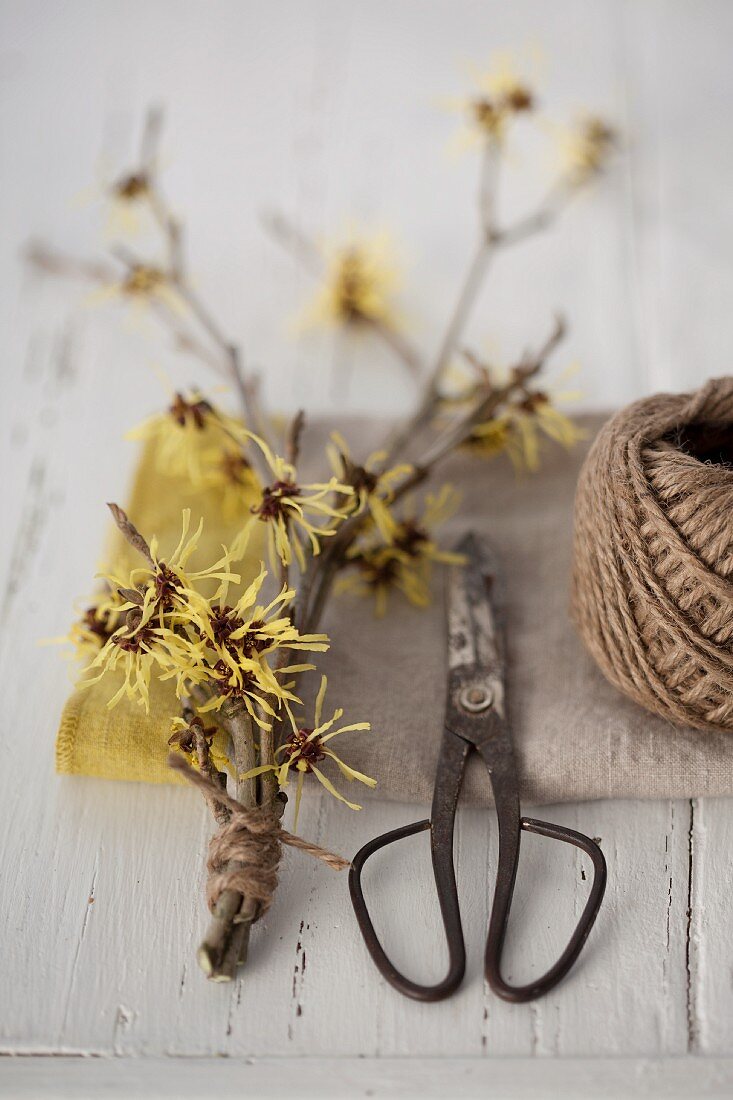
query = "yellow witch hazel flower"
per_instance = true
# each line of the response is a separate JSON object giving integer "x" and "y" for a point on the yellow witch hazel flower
{"x": 414, "y": 535}
{"x": 187, "y": 735}
{"x": 138, "y": 650}
{"x": 155, "y": 600}
{"x": 128, "y": 195}
{"x": 226, "y": 471}
{"x": 466, "y": 380}
{"x": 500, "y": 96}
{"x": 142, "y": 285}
{"x": 248, "y": 628}
{"x": 373, "y": 487}
{"x": 287, "y": 509}
{"x": 585, "y": 149}
{"x": 197, "y": 441}
{"x": 237, "y": 640}
{"x": 519, "y": 428}
{"x": 361, "y": 279}
{"x": 249, "y": 681}
{"x": 380, "y": 570}
{"x": 405, "y": 565}
{"x": 96, "y": 625}
{"x": 172, "y": 585}
{"x": 490, "y": 438}
{"x": 145, "y": 283}
{"x": 306, "y": 748}
{"x": 170, "y": 629}
{"x": 528, "y": 421}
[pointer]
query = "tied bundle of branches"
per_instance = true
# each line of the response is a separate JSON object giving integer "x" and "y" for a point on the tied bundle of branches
{"x": 237, "y": 657}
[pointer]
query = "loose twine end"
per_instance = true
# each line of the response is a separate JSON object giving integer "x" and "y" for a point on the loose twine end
{"x": 245, "y": 852}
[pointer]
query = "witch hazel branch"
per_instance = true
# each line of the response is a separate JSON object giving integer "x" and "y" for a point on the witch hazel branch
{"x": 236, "y": 642}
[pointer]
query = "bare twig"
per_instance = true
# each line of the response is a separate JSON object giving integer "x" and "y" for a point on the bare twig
{"x": 488, "y": 185}
{"x": 293, "y": 436}
{"x": 172, "y": 230}
{"x": 399, "y": 344}
{"x": 294, "y": 241}
{"x": 542, "y": 218}
{"x": 150, "y": 143}
{"x": 491, "y": 240}
{"x": 246, "y": 388}
{"x": 473, "y": 280}
{"x": 53, "y": 262}
{"x": 199, "y": 743}
{"x": 268, "y": 780}
{"x": 291, "y": 451}
{"x": 226, "y": 941}
{"x": 131, "y": 533}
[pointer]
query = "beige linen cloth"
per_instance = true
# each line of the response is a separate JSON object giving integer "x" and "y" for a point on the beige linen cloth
{"x": 575, "y": 736}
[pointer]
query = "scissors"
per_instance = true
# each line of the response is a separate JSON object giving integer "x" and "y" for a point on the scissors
{"x": 475, "y": 718}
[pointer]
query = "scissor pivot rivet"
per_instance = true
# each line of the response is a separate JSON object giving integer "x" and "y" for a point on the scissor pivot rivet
{"x": 475, "y": 699}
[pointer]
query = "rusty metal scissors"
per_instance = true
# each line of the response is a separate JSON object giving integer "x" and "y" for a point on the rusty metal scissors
{"x": 475, "y": 719}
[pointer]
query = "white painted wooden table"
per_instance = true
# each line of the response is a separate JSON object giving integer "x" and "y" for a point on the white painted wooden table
{"x": 328, "y": 109}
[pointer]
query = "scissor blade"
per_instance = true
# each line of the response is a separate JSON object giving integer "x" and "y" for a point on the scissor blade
{"x": 474, "y": 610}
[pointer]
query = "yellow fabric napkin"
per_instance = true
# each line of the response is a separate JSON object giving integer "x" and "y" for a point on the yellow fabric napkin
{"x": 124, "y": 742}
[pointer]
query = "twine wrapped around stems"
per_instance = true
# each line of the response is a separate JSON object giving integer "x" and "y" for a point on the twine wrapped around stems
{"x": 653, "y": 554}
{"x": 251, "y": 840}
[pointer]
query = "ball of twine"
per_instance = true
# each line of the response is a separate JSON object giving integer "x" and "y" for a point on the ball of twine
{"x": 653, "y": 554}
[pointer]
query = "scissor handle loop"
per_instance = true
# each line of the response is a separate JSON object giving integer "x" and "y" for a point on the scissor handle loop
{"x": 448, "y": 898}
{"x": 502, "y": 905}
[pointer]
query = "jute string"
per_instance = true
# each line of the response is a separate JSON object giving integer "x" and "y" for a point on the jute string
{"x": 653, "y": 554}
{"x": 245, "y": 852}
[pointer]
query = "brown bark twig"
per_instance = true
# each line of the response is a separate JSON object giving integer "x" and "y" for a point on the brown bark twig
{"x": 226, "y": 942}
{"x": 131, "y": 533}
{"x": 293, "y": 437}
{"x": 491, "y": 239}
{"x": 54, "y": 262}
{"x": 203, "y": 757}
{"x": 246, "y": 388}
